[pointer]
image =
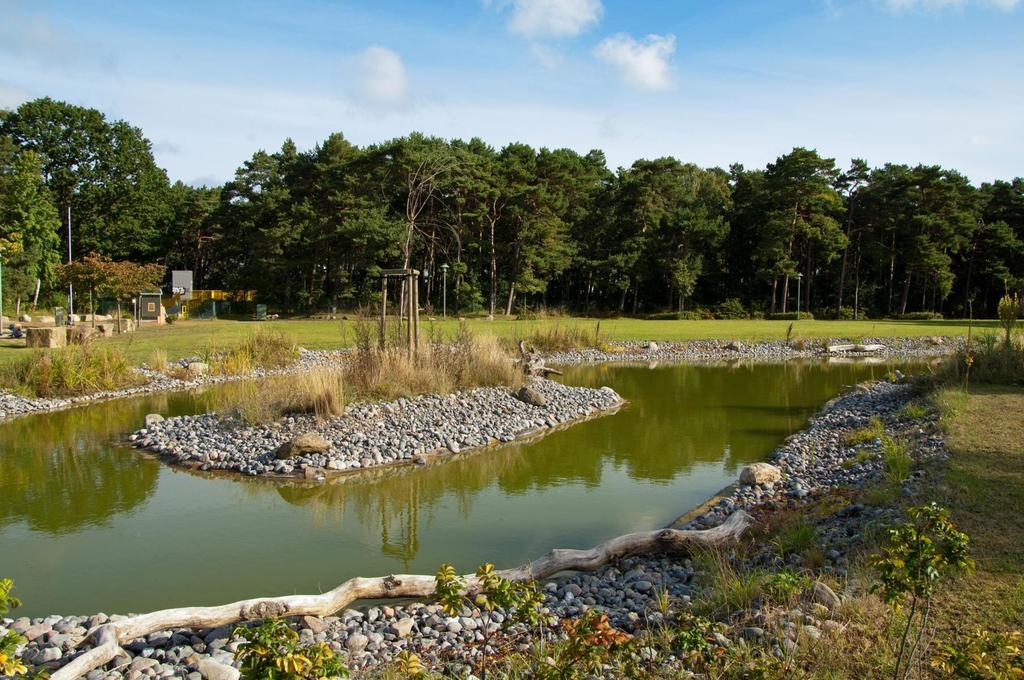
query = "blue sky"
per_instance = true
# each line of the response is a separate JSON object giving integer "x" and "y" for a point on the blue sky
{"x": 713, "y": 82}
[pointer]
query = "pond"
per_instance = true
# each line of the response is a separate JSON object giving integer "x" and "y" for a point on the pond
{"x": 89, "y": 525}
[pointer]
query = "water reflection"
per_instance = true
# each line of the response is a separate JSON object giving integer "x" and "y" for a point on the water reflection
{"x": 88, "y": 525}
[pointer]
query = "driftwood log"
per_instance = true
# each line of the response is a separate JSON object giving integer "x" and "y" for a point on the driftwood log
{"x": 532, "y": 363}
{"x": 109, "y": 637}
{"x": 855, "y": 348}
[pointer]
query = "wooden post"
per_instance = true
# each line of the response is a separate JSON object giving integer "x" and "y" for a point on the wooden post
{"x": 383, "y": 309}
{"x": 414, "y": 278}
{"x": 408, "y": 296}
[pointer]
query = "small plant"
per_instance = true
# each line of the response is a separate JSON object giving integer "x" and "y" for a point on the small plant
{"x": 696, "y": 642}
{"x": 10, "y": 664}
{"x": 409, "y": 666}
{"x": 866, "y": 435}
{"x": 271, "y": 651}
{"x": 796, "y": 537}
{"x": 916, "y": 557}
{"x": 729, "y": 589}
{"x": 862, "y": 456}
{"x": 913, "y": 411}
{"x": 896, "y": 460}
{"x": 984, "y": 655}
{"x": 158, "y": 360}
{"x": 520, "y": 599}
{"x": 783, "y": 586}
{"x": 592, "y": 642}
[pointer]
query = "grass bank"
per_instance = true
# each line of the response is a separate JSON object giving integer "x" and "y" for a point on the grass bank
{"x": 189, "y": 338}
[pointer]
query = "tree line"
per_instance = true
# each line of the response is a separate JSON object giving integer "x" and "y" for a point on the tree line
{"x": 517, "y": 227}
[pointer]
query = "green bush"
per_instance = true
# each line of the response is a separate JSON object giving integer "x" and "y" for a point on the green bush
{"x": 731, "y": 309}
{"x": 675, "y": 316}
{"x": 272, "y": 651}
{"x": 916, "y": 316}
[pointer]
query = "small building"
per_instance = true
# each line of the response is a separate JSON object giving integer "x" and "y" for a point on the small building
{"x": 151, "y": 307}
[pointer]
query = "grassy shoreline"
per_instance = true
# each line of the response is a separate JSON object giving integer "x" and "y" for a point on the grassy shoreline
{"x": 189, "y": 338}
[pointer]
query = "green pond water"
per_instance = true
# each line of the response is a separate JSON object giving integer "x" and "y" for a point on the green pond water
{"x": 89, "y": 525}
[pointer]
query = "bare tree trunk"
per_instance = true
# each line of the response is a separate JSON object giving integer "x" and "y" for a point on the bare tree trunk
{"x": 109, "y": 637}
{"x": 511, "y": 298}
{"x": 785, "y": 293}
{"x": 775, "y": 289}
{"x": 906, "y": 294}
{"x": 494, "y": 270}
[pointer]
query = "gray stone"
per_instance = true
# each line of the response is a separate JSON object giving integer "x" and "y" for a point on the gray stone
{"x": 314, "y": 623}
{"x": 356, "y": 643}
{"x": 141, "y": 663}
{"x": 215, "y": 670}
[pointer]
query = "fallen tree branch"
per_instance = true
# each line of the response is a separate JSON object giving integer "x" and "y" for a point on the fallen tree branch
{"x": 855, "y": 348}
{"x": 109, "y": 637}
{"x": 532, "y": 363}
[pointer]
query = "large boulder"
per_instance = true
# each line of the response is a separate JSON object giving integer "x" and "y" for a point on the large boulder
{"x": 528, "y": 395}
{"x": 305, "y": 444}
{"x": 105, "y": 330}
{"x": 153, "y": 419}
{"x": 197, "y": 368}
{"x": 760, "y": 473}
{"x": 46, "y": 337}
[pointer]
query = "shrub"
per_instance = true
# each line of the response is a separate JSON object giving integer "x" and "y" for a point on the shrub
{"x": 790, "y": 316}
{"x": 916, "y": 557}
{"x": 1009, "y": 311}
{"x": 10, "y": 664}
{"x": 843, "y": 314}
{"x": 71, "y": 371}
{"x": 731, "y": 308}
{"x": 271, "y": 651}
{"x": 987, "y": 362}
{"x": 982, "y": 655}
{"x": 916, "y": 316}
{"x": 675, "y": 316}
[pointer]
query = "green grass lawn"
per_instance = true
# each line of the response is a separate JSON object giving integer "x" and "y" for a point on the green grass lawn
{"x": 193, "y": 337}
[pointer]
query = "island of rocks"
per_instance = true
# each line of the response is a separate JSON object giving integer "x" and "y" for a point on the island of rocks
{"x": 372, "y": 434}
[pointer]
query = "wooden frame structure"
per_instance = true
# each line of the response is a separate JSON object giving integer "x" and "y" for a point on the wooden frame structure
{"x": 410, "y": 278}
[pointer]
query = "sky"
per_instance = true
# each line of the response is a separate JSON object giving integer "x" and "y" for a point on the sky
{"x": 712, "y": 82}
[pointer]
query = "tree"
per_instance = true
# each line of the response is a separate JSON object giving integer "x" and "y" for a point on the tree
{"x": 121, "y": 280}
{"x": 28, "y": 222}
{"x": 103, "y": 171}
{"x": 801, "y": 223}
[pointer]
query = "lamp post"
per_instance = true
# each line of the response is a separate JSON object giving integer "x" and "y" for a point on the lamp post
{"x": 3, "y": 329}
{"x": 444, "y": 290}
{"x": 799, "y": 278}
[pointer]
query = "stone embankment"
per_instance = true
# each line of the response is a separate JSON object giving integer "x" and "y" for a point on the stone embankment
{"x": 891, "y": 349}
{"x": 372, "y": 434}
{"x": 12, "y": 405}
{"x": 807, "y": 465}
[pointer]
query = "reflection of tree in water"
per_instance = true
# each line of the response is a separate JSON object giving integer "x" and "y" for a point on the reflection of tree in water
{"x": 61, "y": 471}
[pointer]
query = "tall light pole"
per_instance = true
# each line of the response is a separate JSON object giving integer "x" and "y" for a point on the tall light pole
{"x": 3, "y": 328}
{"x": 444, "y": 290}
{"x": 799, "y": 278}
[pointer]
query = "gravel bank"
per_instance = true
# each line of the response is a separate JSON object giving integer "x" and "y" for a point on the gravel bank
{"x": 374, "y": 433}
{"x": 771, "y": 350}
{"x": 811, "y": 462}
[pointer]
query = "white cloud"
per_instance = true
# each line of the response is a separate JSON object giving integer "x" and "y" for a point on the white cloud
{"x": 936, "y": 5}
{"x": 641, "y": 63}
{"x": 384, "y": 79}
{"x": 553, "y": 18}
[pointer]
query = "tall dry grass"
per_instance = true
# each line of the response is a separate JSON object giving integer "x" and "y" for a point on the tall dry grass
{"x": 559, "y": 338}
{"x": 440, "y": 366}
{"x": 71, "y": 371}
{"x": 261, "y": 349}
{"x": 320, "y": 392}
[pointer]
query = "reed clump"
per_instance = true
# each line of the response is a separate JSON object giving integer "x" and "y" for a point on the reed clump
{"x": 263, "y": 349}
{"x": 320, "y": 392}
{"x": 563, "y": 338}
{"x": 71, "y": 371}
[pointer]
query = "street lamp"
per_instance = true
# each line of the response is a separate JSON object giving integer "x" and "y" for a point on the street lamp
{"x": 799, "y": 278}
{"x": 444, "y": 290}
{"x": 2, "y": 327}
